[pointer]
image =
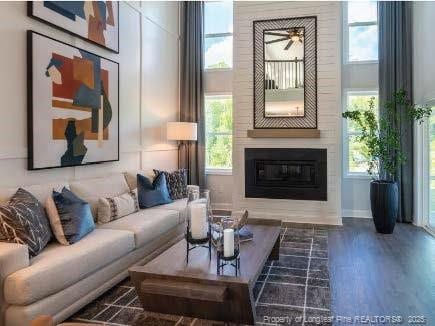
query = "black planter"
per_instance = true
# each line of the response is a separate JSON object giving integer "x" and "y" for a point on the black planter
{"x": 384, "y": 199}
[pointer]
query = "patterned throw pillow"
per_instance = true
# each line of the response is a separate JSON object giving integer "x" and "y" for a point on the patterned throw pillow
{"x": 70, "y": 216}
{"x": 23, "y": 220}
{"x": 177, "y": 183}
{"x": 110, "y": 209}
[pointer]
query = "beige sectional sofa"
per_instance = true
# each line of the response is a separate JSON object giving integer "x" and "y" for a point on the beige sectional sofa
{"x": 62, "y": 279}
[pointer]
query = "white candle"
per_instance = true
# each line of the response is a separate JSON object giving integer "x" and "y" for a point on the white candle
{"x": 198, "y": 220}
{"x": 228, "y": 242}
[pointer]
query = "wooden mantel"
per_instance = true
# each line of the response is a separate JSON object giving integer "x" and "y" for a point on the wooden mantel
{"x": 284, "y": 133}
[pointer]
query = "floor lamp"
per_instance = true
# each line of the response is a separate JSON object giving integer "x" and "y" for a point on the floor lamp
{"x": 183, "y": 133}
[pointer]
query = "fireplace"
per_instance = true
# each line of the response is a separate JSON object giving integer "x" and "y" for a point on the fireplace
{"x": 286, "y": 173}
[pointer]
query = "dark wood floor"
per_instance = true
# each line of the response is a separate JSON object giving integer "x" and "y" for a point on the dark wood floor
{"x": 382, "y": 275}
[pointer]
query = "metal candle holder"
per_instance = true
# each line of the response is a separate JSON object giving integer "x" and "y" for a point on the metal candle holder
{"x": 234, "y": 244}
{"x": 223, "y": 261}
{"x": 196, "y": 196}
{"x": 197, "y": 243}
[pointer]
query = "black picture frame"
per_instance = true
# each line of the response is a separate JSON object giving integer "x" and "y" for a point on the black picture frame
{"x": 31, "y": 14}
{"x": 261, "y": 121}
{"x": 30, "y": 115}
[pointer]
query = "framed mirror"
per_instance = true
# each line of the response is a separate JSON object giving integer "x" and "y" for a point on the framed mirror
{"x": 285, "y": 73}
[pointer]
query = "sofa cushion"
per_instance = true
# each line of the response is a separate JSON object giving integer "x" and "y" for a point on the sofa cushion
{"x": 179, "y": 205}
{"x": 58, "y": 266}
{"x": 90, "y": 190}
{"x": 131, "y": 177}
{"x": 147, "y": 224}
{"x": 41, "y": 192}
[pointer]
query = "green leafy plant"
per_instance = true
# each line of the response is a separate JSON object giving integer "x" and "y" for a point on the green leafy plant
{"x": 382, "y": 138}
{"x": 219, "y": 125}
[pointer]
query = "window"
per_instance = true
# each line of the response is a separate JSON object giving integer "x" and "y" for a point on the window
{"x": 218, "y": 30}
{"x": 218, "y": 54}
{"x": 219, "y": 132}
{"x": 354, "y": 162}
{"x": 361, "y": 31}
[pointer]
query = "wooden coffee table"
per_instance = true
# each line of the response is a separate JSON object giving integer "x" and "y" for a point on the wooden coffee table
{"x": 167, "y": 285}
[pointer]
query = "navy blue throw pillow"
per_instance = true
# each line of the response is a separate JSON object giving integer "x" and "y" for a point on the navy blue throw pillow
{"x": 75, "y": 215}
{"x": 152, "y": 194}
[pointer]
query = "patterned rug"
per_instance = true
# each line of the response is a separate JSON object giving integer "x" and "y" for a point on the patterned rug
{"x": 291, "y": 291}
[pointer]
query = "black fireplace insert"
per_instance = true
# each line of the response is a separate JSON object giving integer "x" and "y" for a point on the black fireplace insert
{"x": 286, "y": 173}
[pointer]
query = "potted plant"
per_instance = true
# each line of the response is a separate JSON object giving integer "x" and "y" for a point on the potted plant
{"x": 382, "y": 150}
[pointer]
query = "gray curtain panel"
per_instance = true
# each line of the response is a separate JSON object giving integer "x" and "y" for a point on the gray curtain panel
{"x": 395, "y": 73}
{"x": 192, "y": 156}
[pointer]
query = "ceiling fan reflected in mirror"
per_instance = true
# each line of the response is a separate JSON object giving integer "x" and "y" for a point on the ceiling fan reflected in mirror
{"x": 291, "y": 35}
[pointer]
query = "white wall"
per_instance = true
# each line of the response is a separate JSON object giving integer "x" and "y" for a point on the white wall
{"x": 329, "y": 108}
{"x": 221, "y": 188}
{"x": 149, "y": 92}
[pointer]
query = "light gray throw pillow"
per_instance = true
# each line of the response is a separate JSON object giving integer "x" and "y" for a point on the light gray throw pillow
{"x": 110, "y": 209}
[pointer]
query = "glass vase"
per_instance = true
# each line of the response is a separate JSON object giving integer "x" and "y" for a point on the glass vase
{"x": 228, "y": 245}
{"x": 198, "y": 218}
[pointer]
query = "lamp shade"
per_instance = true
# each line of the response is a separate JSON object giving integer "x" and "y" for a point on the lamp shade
{"x": 181, "y": 131}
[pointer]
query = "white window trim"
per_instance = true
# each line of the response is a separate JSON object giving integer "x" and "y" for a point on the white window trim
{"x": 421, "y": 174}
{"x": 422, "y": 177}
{"x": 429, "y": 227}
{"x": 212, "y": 170}
{"x": 346, "y": 26}
{"x": 217, "y": 69}
{"x": 346, "y": 92}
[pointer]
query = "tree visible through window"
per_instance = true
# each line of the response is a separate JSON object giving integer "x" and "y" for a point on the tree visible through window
{"x": 362, "y": 31}
{"x": 218, "y": 30}
{"x": 356, "y": 162}
{"x": 219, "y": 126}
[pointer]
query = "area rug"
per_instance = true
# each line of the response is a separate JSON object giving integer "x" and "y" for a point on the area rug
{"x": 291, "y": 291}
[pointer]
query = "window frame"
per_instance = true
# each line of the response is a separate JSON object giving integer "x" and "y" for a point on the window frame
{"x": 346, "y": 28}
{"x": 427, "y": 180}
{"x": 346, "y": 93}
{"x": 216, "y": 35}
{"x": 214, "y": 170}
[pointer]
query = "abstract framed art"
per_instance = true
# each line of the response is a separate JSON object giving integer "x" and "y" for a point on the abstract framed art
{"x": 73, "y": 105}
{"x": 94, "y": 21}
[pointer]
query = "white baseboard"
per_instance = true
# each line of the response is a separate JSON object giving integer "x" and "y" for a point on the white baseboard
{"x": 359, "y": 213}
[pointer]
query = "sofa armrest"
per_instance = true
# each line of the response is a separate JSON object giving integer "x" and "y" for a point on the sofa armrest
{"x": 13, "y": 257}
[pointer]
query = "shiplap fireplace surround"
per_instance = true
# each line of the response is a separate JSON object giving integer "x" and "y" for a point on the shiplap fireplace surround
{"x": 328, "y": 135}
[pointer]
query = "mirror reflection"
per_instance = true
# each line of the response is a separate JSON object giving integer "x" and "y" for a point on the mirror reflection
{"x": 284, "y": 72}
